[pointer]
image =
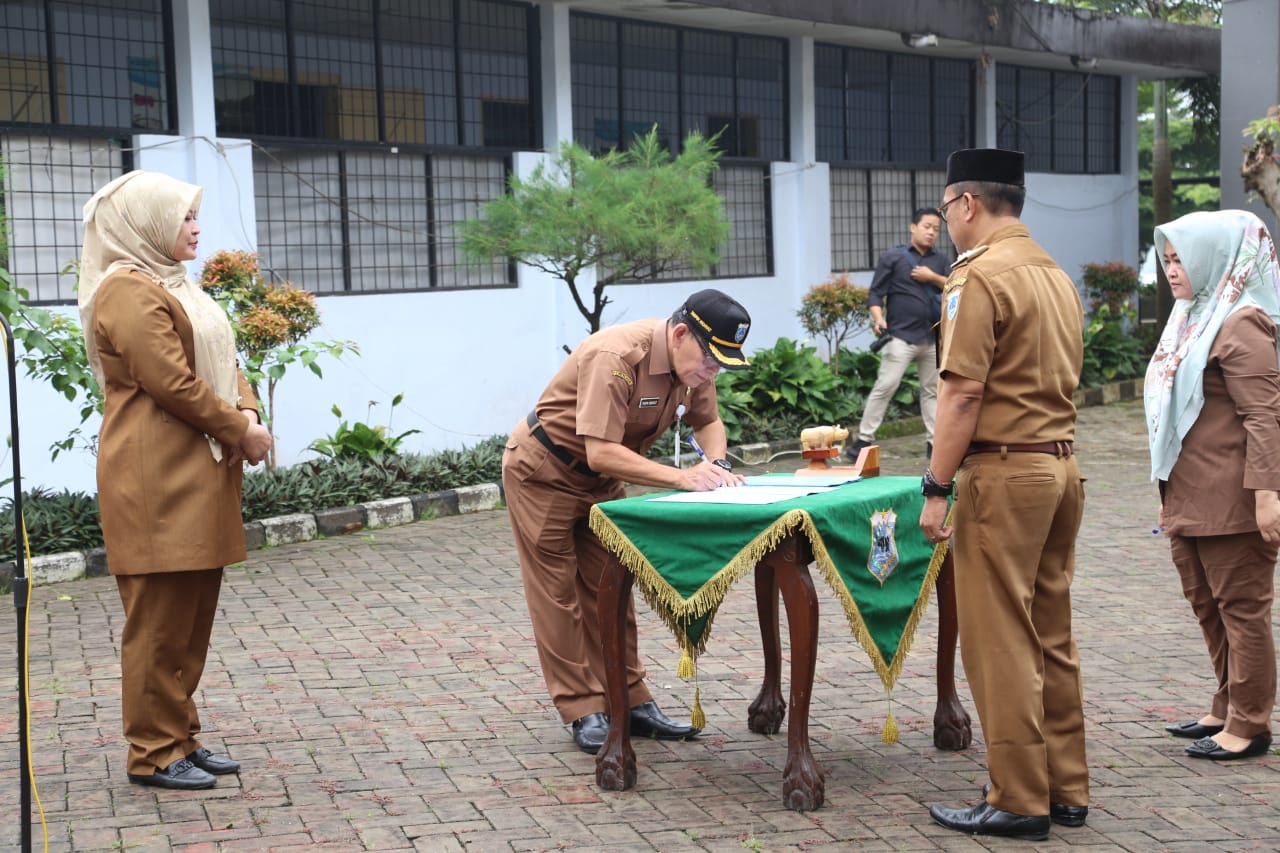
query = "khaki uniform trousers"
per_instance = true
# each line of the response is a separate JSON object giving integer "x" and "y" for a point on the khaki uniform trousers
{"x": 561, "y": 562}
{"x": 1229, "y": 582}
{"x": 1016, "y": 520}
{"x": 168, "y": 617}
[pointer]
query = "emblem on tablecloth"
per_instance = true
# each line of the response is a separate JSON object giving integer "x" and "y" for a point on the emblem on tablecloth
{"x": 883, "y": 558}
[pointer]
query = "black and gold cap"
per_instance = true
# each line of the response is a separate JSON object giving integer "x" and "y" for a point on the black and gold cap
{"x": 721, "y": 323}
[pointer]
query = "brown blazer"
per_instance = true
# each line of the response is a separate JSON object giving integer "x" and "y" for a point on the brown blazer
{"x": 166, "y": 505}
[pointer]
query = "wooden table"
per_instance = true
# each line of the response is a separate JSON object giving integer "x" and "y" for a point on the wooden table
{"x": 785, "y": 571}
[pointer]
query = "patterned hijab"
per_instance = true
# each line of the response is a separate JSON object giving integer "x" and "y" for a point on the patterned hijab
{"x": 1230, "y": 263}
{"x": 132, "y": 224}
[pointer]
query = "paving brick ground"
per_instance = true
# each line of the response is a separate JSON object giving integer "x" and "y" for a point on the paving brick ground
{"x": 382, "y": 692}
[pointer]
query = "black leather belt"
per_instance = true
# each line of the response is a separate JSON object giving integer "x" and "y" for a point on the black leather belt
{"x": 556, "y": 450}
{"x": 1061, "y": 449}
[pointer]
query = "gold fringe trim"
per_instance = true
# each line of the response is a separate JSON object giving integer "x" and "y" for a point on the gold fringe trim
{"x": 890, "y": 732}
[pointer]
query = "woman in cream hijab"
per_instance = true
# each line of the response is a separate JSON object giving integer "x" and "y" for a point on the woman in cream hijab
{"x": 1212, "y": 398}
{"x": 178, "y": 422}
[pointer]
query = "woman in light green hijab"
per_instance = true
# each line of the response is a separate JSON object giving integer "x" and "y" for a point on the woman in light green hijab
{"x": 1212, "y": 399}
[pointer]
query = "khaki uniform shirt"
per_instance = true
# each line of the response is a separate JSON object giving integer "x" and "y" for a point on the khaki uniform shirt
{"x": 1233, "y": 448}
{"x": 618, "y": 386}
{"x": 1012, "y": 320}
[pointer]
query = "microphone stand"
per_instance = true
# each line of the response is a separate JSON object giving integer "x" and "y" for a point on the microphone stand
{"x": 21, "y": 601}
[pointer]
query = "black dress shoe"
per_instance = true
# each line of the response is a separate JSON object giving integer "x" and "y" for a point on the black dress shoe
{"x": 590, "y": 731}
{"x": 1192, "y": 729}
{"x": 1061, "y": 814}
{"x": 648, "y": 721}
{"x": 1068, "y": 815}
{"x": 852, "y": 451}
{"x": 218, "y": 765}
{"x": 1208, "y": 748}
{"x": 985, "y": 819}
{"x": 181, "y": 774}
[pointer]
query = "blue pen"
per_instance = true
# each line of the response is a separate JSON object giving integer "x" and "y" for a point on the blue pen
{"x": 1156, "y": 531}
{"x": 693, "y": 442}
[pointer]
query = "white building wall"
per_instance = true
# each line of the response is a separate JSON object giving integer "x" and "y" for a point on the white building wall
{"x": 470, "y": 363}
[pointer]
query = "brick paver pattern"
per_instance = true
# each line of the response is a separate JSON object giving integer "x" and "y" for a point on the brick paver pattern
{"x": 382, "y": 691}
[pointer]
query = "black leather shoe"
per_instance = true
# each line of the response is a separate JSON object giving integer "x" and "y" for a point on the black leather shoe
{"x": 855, "y": 448}
{"x": 1068, "y": 815}
{"x": 648, "y": 721}
{"x": 181, "y": 774}
{"x": 1208, "y": 748}
{"x": 1192, "y": 729}
{"x": 218, "y": 765}
{"x": 590, "y": 731}
{"x": 1061, "y": 814}
{"x": 985, "y": 819}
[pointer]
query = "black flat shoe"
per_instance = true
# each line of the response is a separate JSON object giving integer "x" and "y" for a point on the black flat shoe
{"x": 648, "y": 721}
{"x": 1061, "y": 814}
{"x": 1208, "y": 748}
{"x": 218, "y": 765}
{"x": 985, "y": 819}
{"x": 180, "y": 775}
{"x": 590, "y": 731}
{"x": 1192, "y": 729}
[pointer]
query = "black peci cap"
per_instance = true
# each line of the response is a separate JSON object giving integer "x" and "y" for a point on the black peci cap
{"x": 720, "y": 323}
{"x": 994, "y": 165}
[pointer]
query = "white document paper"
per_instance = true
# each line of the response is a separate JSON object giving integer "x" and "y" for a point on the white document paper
{"x": 742, "y": 495}
{"x": 802, "y": 480}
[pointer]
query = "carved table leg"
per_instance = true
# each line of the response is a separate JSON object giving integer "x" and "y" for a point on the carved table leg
{"x": 767, "y": 711}
{"x": 802, "y": 785}
{"x": 951, "y": 726}
{"x": 616, "y": 761}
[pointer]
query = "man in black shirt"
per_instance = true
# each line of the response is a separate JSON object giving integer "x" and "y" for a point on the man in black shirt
{"x": 908, "y": 285}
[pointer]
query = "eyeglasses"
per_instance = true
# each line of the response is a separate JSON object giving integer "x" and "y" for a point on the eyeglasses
{"x": 942, "y": 211}
{"x": 708, "y": 359}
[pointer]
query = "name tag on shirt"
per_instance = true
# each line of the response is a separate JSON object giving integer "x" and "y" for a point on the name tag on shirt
{"x": 648, "y": 402}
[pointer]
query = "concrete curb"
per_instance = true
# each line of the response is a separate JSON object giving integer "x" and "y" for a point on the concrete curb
{"x": 341, "y": 521}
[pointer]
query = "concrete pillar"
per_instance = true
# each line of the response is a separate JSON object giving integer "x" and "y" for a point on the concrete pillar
{"x": 984, "y": 102}
{"x": 800, "y": 98}
{"x": 557, "y": 90}
{"x": 1250, "y": 85}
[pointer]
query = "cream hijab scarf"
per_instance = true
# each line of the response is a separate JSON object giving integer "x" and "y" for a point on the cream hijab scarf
{"x": 1230, "y": 263}
{"x": 132, "y": 224}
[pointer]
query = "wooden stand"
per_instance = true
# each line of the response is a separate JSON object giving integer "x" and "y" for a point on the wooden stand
{"x": 868, "y": 464}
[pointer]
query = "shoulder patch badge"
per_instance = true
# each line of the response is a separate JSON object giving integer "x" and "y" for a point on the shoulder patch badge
{"x": 883, "y": 558}
{"x": 624, "y": 377}
{"x": 953, "y": 304}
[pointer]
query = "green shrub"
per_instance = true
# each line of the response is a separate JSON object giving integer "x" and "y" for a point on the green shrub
{"x": 1110, "y": 353}
{"x": 362, "y": 440}
{"x": 858, "y": 376}
{"x": 344, "y": 481}
{"x": 788, "y": 380}
{"x": 1111, "y": 286}
{"x": 833, "y": 311}
{"x": 55, "y": 522}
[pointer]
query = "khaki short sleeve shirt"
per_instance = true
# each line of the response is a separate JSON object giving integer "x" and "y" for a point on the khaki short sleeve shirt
{"x": 1012, "y": 320}
{"x": 618, "y": 386}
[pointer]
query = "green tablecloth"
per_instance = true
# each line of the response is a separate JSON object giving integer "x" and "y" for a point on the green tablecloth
{"x": 866, "y": 542}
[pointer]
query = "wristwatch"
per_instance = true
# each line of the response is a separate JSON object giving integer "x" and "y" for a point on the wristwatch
{"x": 722, "y": 463}
{"x": 931, "y": 488}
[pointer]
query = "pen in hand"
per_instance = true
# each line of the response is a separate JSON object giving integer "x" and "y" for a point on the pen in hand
{"x": 693, "y": 442}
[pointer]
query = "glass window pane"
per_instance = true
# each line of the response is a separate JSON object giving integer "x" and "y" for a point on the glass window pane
{"x": 1035, "y": 117}
{"x": 336, "y": 89}
{"x": 762, "y": 87}
{"x": 909, "y": 105}
{"x": 1103, "y": 125}
{"x": 593, "y": 48}
{"x": 650, "y": 88}
{"x": 250, "y": 68}
{"x": 420, "y": 93}
{"x": 829, "y": 105}
{"x": 1068, "y": 121}
{"x": 494, "y": 63}
{"x": 707, "y": 87}
{"x": 1007, "y": 108}
{"x": 952, "y": 107}
{"x": 868, "y": 99}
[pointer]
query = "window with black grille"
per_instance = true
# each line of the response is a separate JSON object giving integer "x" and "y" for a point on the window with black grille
{"x": 358, "y": 220}
{"x": 86, "y": 63}
{"x": 46, "y": 181}
{"x": 1066, "y": 122}
{"x": 871, "y": 209}
{"x": 413, "y": 72}
{"x": 628, "y": 76}
{"x": 875, "y": 107}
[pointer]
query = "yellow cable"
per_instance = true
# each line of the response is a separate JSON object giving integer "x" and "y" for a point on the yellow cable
{"x": 25, "y": 675}
{"x": 26, "y": 683}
